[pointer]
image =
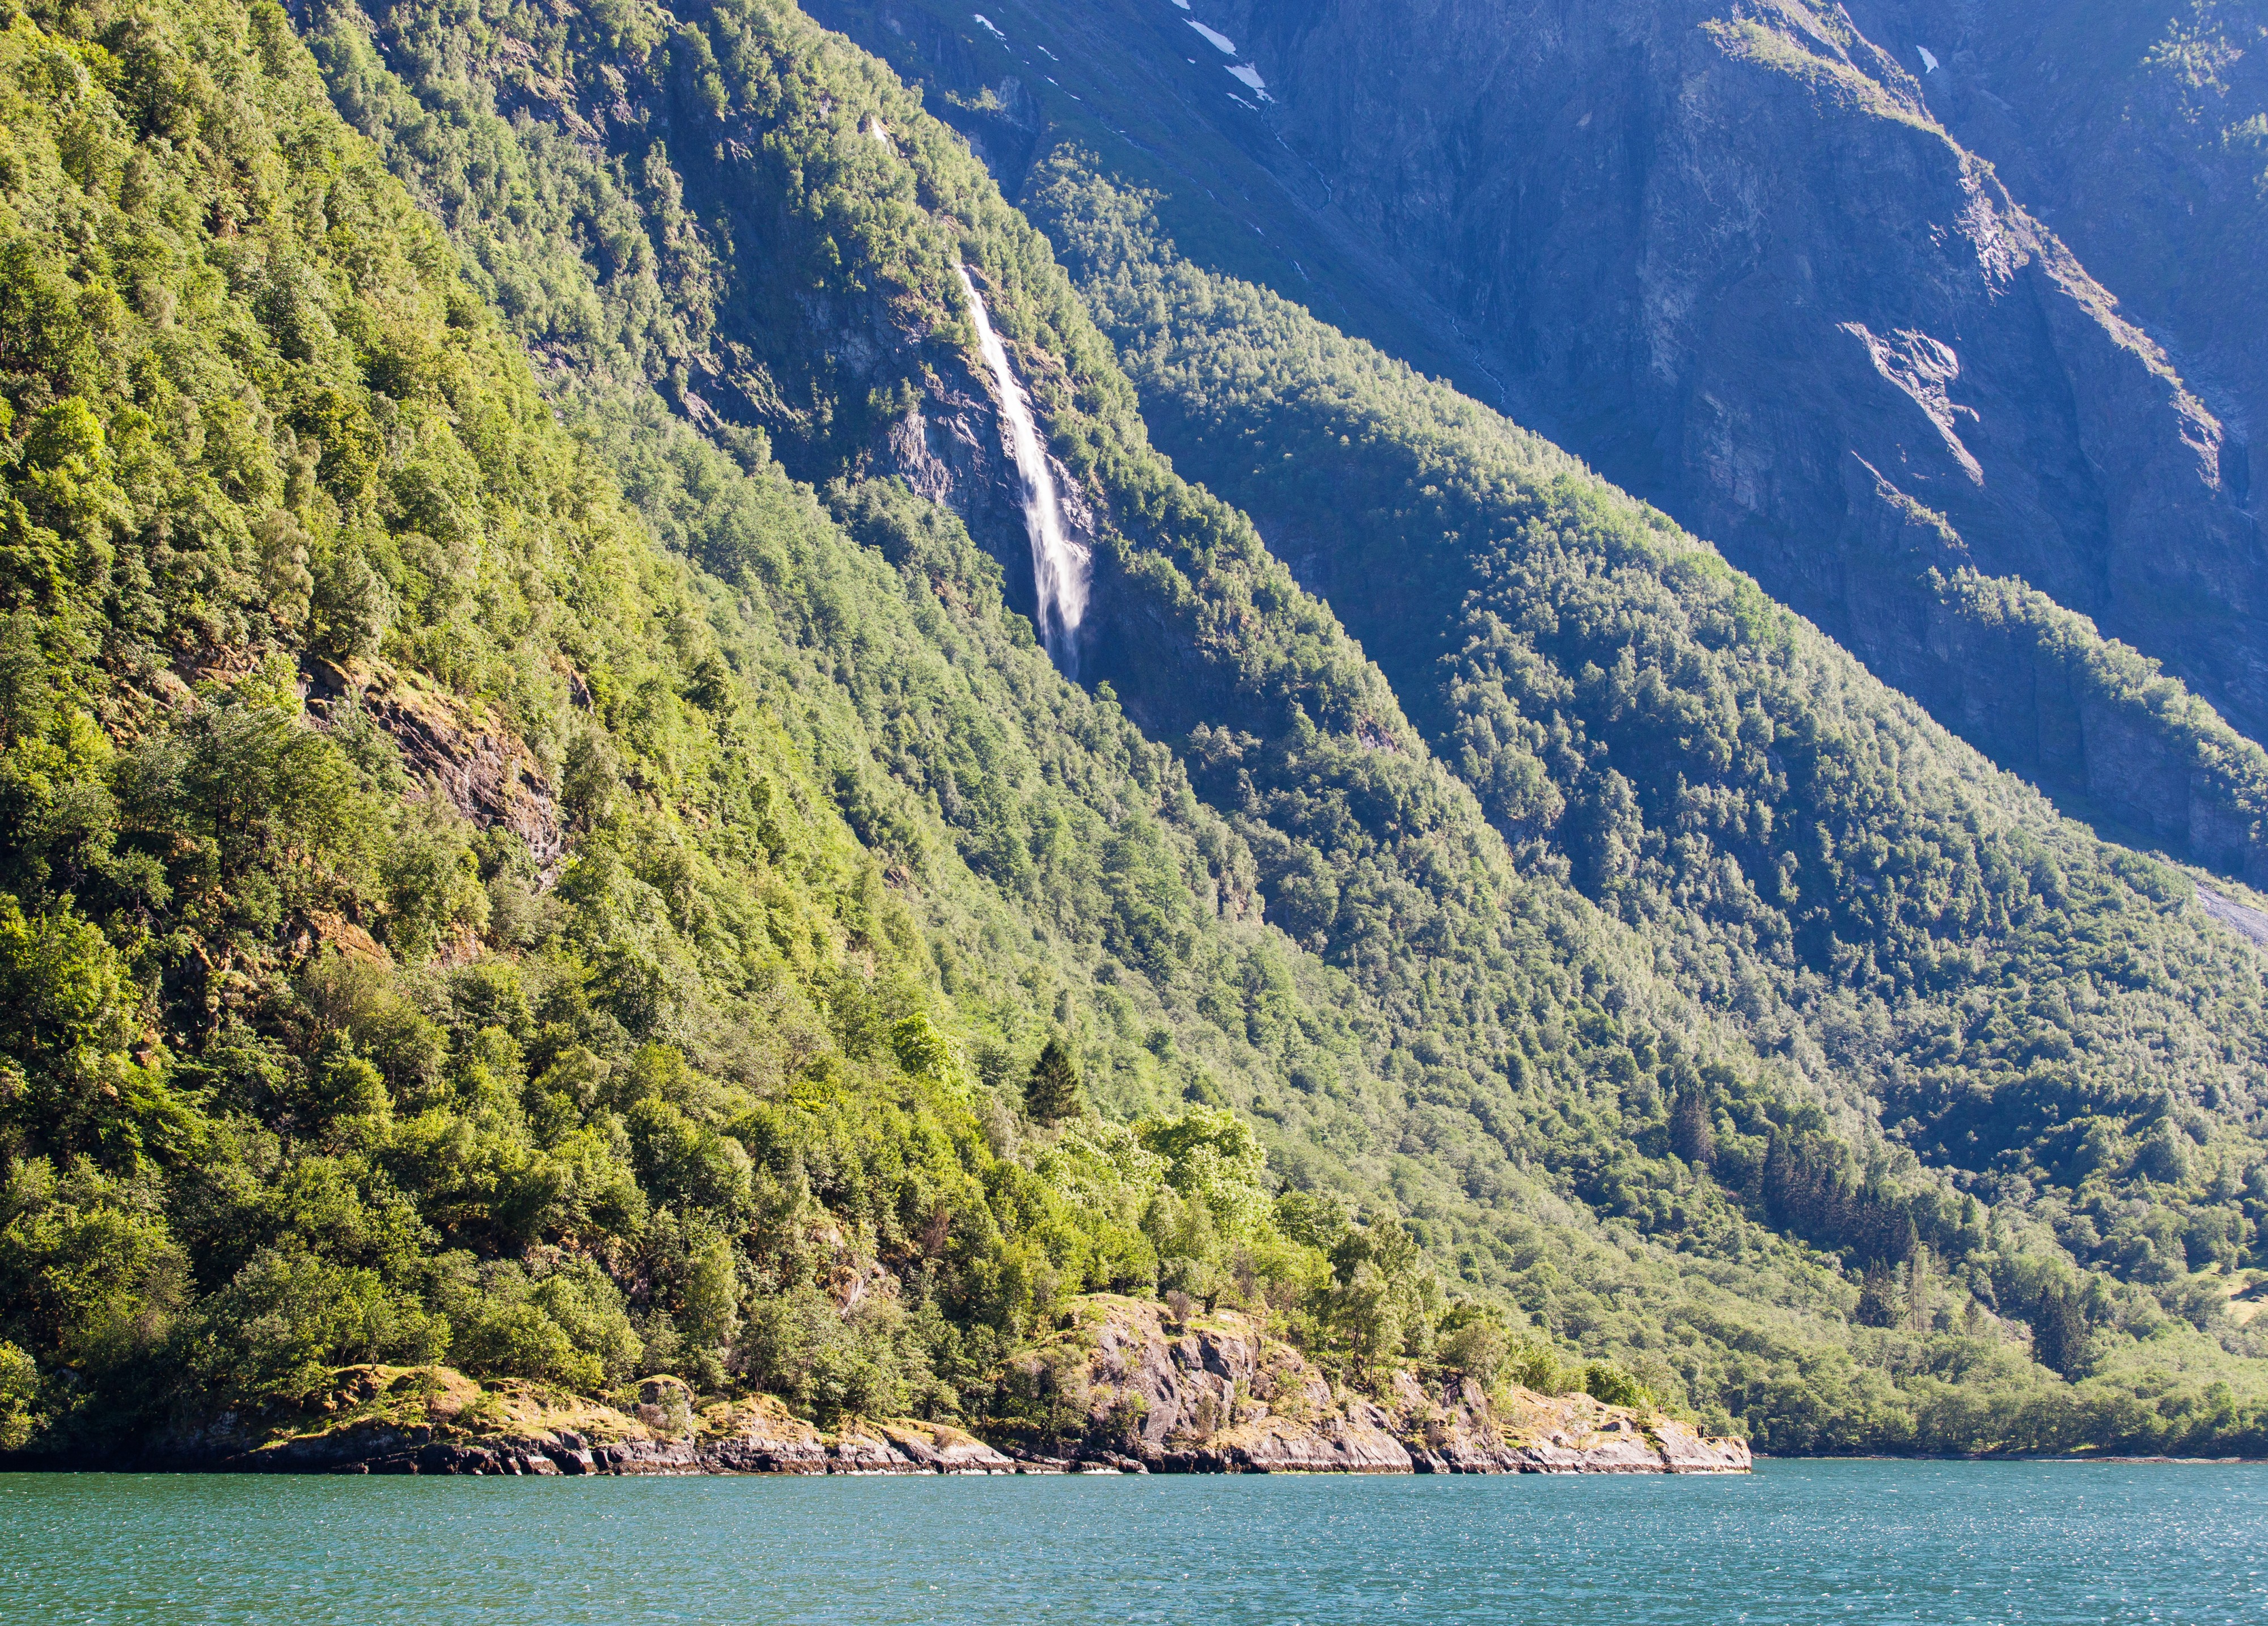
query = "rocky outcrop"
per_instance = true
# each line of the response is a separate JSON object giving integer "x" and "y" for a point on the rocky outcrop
{"x": 1217, "y": 1395}
{"x": 1123, "y": 1389}
{"x": 432, "y": 1420}
{"x": 471, "y": 762}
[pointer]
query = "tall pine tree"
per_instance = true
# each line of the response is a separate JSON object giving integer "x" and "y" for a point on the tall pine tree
{"x": 1051, "y": 1093}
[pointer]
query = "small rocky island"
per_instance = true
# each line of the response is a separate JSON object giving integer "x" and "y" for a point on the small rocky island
{"x": 1128, "y": 1389}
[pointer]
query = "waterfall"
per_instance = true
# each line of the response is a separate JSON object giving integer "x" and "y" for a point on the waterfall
{"x": 1059, "y": 565}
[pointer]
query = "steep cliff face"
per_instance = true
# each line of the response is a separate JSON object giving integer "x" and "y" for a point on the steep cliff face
{"x": 2137, "y": 133}
{"x": 1730, "y": 255}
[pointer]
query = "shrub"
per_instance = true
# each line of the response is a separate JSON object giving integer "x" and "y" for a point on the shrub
{"x": 19, "y": 1392}
{"x": 288, "y": 1317}
{"x": 1605, "y": 1381}
{"x": 829, "y": 1364}
{"x": 567, "y": 1327}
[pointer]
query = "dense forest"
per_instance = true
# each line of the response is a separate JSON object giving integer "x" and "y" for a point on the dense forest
{"x": 1796, "y": 843}
{"x": 531, "y": 844}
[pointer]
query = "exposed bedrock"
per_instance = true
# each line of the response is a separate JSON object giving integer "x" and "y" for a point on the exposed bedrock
{"x": 1120, "y": 1387}
{"x": 1726, "y": 253}
{"x": 1217, "y": 1395}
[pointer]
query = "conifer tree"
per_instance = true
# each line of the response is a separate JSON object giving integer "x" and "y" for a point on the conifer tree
{"x": 2059, "y": 1333}
{"x": 1690, "y": 1136}
{"x": 1876, "y": 1298}
{"x": 1051, "y": 1093}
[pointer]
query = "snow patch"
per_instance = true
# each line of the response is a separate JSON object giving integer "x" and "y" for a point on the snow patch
{"x": 1050, "y": 55}
{"x": 1185, "y": 5}
{"x": 1928, "y": 62}
{"x": 1250, "y": 75}
{"x": 986, "y": 23}
{"x": 1218, "y": 40}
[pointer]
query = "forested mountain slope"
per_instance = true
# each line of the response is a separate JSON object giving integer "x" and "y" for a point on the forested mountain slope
{"x": 502, "y": 873}
{"x": 1794, "y": 840}
{"x": 1377, "y": 848}
{"x": 1729, "y": 256}
{"x": 442, "y": 925}
{"x": 1291, "y": 901}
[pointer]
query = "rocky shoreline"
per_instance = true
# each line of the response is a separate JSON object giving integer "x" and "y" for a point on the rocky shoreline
{"x": 1122, "y": 1389}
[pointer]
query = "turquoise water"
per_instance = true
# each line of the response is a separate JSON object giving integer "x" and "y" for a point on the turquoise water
{"x": 1798, "y": 1541}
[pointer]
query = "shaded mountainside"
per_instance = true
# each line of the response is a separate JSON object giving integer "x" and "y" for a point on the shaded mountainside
{"x": 1728, "y": 255}
{"x": 1829, "y": 313}
{"x": 2137, "y": 134}
{"x": 1795, "y": 843}
{"x": 579, "y": 872}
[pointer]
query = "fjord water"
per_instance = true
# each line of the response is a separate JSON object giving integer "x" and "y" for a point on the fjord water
{"x": 1808, "y": 1542}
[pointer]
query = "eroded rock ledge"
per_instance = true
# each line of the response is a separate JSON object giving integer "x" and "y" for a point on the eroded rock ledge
{"x": 1123, "y": 1389}
{"x": 1217, "y": 1395}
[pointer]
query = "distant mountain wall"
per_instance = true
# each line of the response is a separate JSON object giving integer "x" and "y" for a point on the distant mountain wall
{"x": 1730, "y": 255}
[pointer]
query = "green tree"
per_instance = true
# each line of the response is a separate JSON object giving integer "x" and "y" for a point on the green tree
{"x": 1052, "y": 1093}
{"x": 20, "y": 1396}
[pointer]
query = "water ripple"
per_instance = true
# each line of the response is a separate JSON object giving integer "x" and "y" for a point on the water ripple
{"x": 1797, "y": 1542}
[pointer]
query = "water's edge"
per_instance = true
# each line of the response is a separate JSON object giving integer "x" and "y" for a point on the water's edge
{"x": 897, "y": 1447}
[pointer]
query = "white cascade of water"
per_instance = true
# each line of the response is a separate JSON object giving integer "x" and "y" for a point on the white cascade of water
{"x": 1060, "y": 565}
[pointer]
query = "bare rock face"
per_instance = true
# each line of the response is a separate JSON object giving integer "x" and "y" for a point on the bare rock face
{"x": 951, "y": 446}
{"x": 1218, "y": 1396}
{"x": 470, "y": 762}
{"x": 1730, "y": 255}
{"x": 2128, "y": 131}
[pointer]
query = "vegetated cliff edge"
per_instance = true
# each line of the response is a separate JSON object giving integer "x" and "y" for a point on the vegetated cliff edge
{"x": 1124, "y": 1388}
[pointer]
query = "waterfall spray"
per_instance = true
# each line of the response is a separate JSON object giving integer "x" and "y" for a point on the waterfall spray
{"x": 1059, "y": 564}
